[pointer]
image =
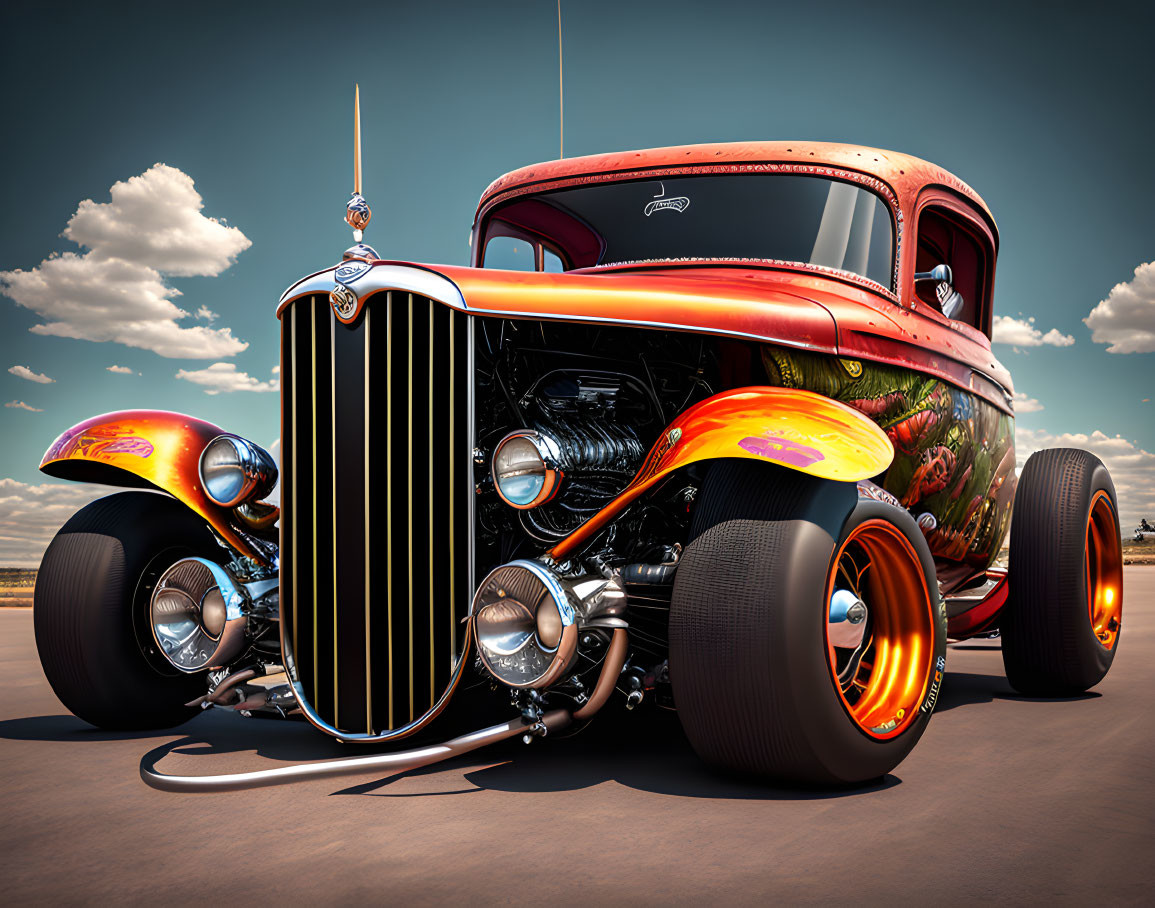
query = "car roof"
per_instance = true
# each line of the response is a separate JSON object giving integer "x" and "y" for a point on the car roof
{"x": 904, "y": 174}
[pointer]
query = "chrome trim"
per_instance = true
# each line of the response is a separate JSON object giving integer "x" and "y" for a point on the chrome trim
{"x": 394, "y": 762}
{"x": 471, "y": 421}
{"x": 359, "y": 738}
{"x": 255, "y": 463}
{"x": 548, "y": 451}
{"x": 368, "y": 547}
{"x": 383, "y": 277}
{"x": 389, "y": 490}
{"x": 332, "y": 414}
{"x": 231, "y": 641}
{"x": 409, "y": 567}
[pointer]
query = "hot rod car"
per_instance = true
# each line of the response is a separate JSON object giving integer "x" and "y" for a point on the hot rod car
{"x": 714, "y": 427}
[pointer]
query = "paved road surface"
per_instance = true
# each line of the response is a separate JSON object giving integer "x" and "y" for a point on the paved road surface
{"x": 1006, "y": 799}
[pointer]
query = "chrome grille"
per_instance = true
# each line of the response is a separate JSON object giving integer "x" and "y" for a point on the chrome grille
{"x": 376, "y": 507}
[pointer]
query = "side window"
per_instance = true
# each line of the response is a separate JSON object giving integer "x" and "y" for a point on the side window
{"x": 551, "y": 263}
{"x": 510, "y": 254}
{"x": 944, "y": 238}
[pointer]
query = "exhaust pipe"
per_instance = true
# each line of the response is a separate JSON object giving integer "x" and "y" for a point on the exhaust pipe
{"x": 392, "y": 763}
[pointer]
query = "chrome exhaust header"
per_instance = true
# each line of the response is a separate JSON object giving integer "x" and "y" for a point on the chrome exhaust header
{"x": 391, "y": 763}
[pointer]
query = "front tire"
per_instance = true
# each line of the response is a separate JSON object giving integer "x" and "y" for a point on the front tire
{"x": 1064, "y": 612}
{"x": 90, "y": 611}
{"x": 753, "y": 664}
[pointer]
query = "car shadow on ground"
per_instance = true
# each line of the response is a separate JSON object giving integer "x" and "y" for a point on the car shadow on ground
{"x": 645, "y": 750}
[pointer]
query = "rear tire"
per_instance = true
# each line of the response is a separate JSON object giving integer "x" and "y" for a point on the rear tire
{"x": 753, "y": 671}
{"x": 91, "y": 605}
{"x": 1063, "y": 617}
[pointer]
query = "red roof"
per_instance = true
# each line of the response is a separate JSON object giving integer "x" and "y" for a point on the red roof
{"x": 906, "y": 175}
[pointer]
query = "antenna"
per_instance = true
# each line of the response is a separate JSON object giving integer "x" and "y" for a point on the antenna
{"x": 560, "y": 90}
{"x": 357, "y": 138}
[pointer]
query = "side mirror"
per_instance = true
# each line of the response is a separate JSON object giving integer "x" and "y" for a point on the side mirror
{"x": 949, "y": 299}
{"x": 940, "y": 273}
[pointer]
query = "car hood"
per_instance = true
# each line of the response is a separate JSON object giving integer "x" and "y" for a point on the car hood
{"x": 751, "y": 303}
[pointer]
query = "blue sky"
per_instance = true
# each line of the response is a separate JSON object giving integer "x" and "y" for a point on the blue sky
{"x": 1048, "y": 117}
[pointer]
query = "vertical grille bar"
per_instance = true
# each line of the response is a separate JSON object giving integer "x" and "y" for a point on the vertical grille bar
{"x": 313, "y": 510}
{"x": 389, "y": 486}
{"x": 409, "y": 565}
{"x": 429, "y": 522}
{"x": 452, "y": 481}
{"x": 290, "y": 501}
{"x": 333, "y": 410}
{"x": 368, "y": 531}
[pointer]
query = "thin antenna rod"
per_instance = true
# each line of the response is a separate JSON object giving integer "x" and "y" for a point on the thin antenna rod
{"x": 357, "y": 138}
{"x": 560, "y": 90}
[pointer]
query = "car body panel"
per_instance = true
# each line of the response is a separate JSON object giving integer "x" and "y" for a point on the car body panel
{"x": 144, "y": 449}
{"x": 795, "y": 429}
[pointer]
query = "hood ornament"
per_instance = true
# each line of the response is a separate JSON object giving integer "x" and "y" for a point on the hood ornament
{"x": 357, "y": 258}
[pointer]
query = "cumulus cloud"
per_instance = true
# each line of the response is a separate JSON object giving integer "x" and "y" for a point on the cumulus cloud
{"x": 30, "y": 515}
{"x": 116, "y": 291}
{"x": 1024, "y": 404}
{"x": 1020, "y": 332}
{"x": 1126, "y": 318}
{"x": 25, "y": 372}
{"x": 224, "y": 378}
{"x": 155, "y": 220}
{"x": 121, "y": 370}
{"x": 20, "y": 405}
{"x": 204, "y": 313}
{"x": 1132, "y": 468}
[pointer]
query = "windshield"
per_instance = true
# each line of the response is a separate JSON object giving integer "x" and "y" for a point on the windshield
{"x": 788, "y": 217}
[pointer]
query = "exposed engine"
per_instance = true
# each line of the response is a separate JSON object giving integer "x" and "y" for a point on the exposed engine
{"x": 566, "y": 416}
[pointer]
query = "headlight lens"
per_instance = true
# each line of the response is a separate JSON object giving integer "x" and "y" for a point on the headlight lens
{"x": 233, "y": 470}
{"x": 525, "y": 470}
{"x": 525, "y": 628}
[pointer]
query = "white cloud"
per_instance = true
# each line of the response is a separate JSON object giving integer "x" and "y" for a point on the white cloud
{"x": 204, "y": 313}
{"x": 224, "y": 377}
{"x": 25, "y": 372}
{"x": 20, "y": 405}
{"x": 121, "y": 370}
{"x": 30, "y": 515}
{"x": 1024, "y": 404}
{"x": 1126, "y": 318}
{"x": 1132, "y": 468}
{"x": 1020, "y": 332}
{"x": 155, "y": 220}
{"x": 116, "y": 292}
{"x": 276, "y": 370}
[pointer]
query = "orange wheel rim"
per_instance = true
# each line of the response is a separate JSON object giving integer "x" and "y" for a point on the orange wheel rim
{"x": 1104, "y": 569}
{"x": 883, "y": 678}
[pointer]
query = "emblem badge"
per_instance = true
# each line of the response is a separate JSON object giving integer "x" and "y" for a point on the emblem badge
{"x": 678, "y": 203}
{"x": 343, "y": 300}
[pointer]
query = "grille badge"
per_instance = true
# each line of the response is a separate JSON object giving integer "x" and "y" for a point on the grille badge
{"x": 343, "y": 301}
{"x": 343, "y": 297}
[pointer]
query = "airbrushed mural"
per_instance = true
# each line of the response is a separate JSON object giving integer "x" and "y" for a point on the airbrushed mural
{"x": 954, "y": 454}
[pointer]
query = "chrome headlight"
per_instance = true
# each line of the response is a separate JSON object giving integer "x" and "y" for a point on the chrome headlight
{"x": 196, "y": 615}
{"x": 525, "y": 469}
{"x": 524, "y": 624}
{"x": 233, "y": 470}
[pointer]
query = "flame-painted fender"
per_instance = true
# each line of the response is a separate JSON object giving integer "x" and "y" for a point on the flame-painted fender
{"x": 799, "y": 430}
{"x": 145, "y": 449}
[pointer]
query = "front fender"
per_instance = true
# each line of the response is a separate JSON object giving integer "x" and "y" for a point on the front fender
{"x": 796, "y": 429}
{"x": 150, "y": 449}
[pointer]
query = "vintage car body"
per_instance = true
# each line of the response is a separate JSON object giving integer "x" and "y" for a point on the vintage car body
{"x": 402, "y": 383}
